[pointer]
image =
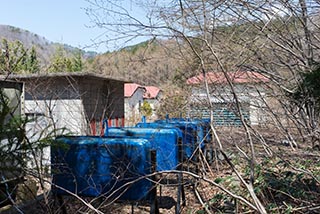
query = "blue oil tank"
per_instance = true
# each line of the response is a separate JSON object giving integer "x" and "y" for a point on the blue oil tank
{"x": 202, "y": 125}
{"x": 204, "y": 133}
{"x": 193, "y": 132}
{"x": 95, "y": 166}
{"x": 164, "y": 141}
{"x": 206, "y": 123}
{"x": 187, "y": 140}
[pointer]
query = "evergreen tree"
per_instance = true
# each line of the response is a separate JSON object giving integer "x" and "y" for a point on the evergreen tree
{"x": 61, "y": 63}
{"x": 58, "y": 61}
{"x": 4, "y": 55}
{"x": 19, "y": 57}
{"x": 77, "y": 62}
{"x": 33, "y": 62}
{"x": 14, "y": 58}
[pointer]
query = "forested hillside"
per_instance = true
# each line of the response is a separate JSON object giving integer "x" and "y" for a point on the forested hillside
{"x": 44, "y": 47}
{"x": 152, "y": 62}
{"x": 21, "y": 40}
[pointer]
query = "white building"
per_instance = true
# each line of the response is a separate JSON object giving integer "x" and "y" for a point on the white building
{"x": 70, "y": 103}
{"x": 133, "y": 99}
{"x": 77, "y": 102}
{"x": 153, "y": 96}
{"x": 249, "y": 88}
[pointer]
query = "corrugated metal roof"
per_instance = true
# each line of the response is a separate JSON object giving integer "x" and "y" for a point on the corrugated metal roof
{"x": 151, "y": 92}
{"x": 130, "y": 89}
{"x": 239, "y": 77}
{"x": 61, "y": 74}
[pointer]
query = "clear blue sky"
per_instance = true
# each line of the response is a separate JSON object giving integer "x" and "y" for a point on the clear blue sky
{"x": 63, "y": 21}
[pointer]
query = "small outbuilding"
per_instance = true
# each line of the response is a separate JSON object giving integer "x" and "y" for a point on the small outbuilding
{"x": 135, "y": 96}
{"x": 153, "y": 96}
{"x": 61, "y": 103}
{"x": 249, "y": 88}
{"x": 77, "y": 102}
{"x": 133, "y": 99}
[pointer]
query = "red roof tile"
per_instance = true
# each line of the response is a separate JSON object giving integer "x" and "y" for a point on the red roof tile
{"x": 239, "y": 77}
{"x": 130, "y": 88}
{"x": 151, "y": 92}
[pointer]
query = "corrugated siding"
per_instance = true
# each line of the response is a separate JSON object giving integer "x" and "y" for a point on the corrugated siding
{"x": 224, "y": 114}
{"x": 102, "y": 100}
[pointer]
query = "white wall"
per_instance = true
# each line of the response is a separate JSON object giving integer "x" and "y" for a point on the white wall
{"x": 62, "y": 113}
{"x": 247, "y": 94}
{"x": 71, "y": 103}
{"x": 132, "y": 107}
{"x": 43, "y": 114}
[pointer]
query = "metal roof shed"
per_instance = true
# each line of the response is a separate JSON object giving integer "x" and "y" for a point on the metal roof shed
{"x": 76, "y": 101}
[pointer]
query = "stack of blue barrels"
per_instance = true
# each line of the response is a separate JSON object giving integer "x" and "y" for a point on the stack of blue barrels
{"x": 195, "y": 133}
{"x": 95, "y": 166}
{"x": 118, "y": 164}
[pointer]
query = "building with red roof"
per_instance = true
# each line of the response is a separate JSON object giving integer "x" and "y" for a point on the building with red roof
{"x": 130, "y": 89}
{"x": 249, "y": 87}
{"x": 238, "y": 77}
{"x": 134, "y": 96}
{"x": 153, "y": 96}
{"x": 133, "y": 99}
{"x": 152, "y": 92}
